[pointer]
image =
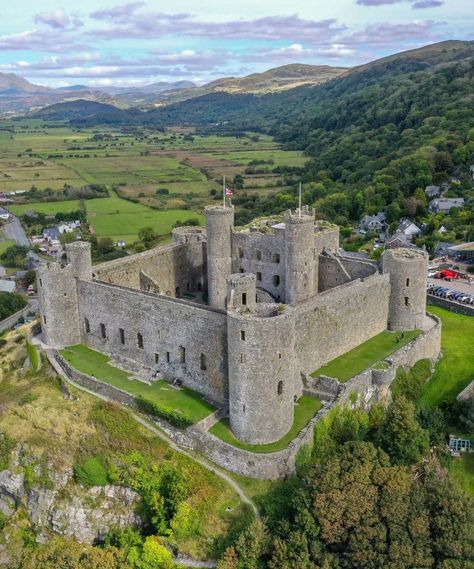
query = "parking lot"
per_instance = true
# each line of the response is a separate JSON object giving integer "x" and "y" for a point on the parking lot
{"x": 450, "y": 289}
{"x": 461, "y": 285}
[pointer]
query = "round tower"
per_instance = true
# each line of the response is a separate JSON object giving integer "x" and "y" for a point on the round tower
{"x": 261, "y": 365}
{"x": 58, "y": 305}
{"x": 220, "y": 221}
{"x": 299, "y": 255}
{"x": 408, "y": 271}
{"x": 79, "y": 257}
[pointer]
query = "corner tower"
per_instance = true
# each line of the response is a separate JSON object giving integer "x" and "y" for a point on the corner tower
{"x": 261, "y": 364}
{"x": 408, "y": 270}
{"x": 299, "y": 255}
{"x": 79, "y": 257}
{"x": 220, "y": 221}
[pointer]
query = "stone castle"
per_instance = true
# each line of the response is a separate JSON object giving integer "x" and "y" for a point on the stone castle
{"x": 240, "y": 315}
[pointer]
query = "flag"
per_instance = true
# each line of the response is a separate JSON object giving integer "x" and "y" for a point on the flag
{"x": 229, "y": 193}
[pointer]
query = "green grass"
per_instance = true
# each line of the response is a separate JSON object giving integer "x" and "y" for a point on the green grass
{"x": 5, "y": 244}
{"x": 185, "y": 401}
{"x": 456, "y": 368}
{"x": 367, "y": 354}
{"x": 462, "y": 471}
{"x": 305, "y": 410}
{"x": 45, "y": 207}
{"x": 33, "y": 356}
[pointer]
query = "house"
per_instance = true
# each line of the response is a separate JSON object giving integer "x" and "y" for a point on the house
{"x": 442, "y": 229}
{"x": 4, "y": 214}
{"x": 399, "y": 239}
{"x": 457, "y": 444}
{"x": 442, "y": 248}
{"x": 68, "y": 226}
{"x": 408, "y": 228}
{"x": 373, "y": 222}
{"x": 445, "y": 204}
{"x": 121, "y": 243}
{"x": 463, "y": 252}
{"x": 51, "y": 235}
{"x": 432, "y": 192}
{"x": 7, "y": 286}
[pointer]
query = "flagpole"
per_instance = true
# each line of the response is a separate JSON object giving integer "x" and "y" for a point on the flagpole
{"x": 299, "y": 200}
{"x": 223, "y": 190}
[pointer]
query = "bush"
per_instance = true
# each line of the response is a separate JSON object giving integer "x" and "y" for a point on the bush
{"x": 410, "y": 383}
{"x": 166, "y": 413}
{"x": 90, "y": 471}
{"x": 7, "y": 444}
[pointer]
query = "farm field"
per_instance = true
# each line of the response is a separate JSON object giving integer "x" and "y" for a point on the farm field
{"x": 45, "y": 207}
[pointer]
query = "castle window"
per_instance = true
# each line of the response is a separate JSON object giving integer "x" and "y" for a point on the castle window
{"x": 279, "y": 355}
{"x": 177, "y": 292}
{"x": 87, "y": 326}
{"x": 408, "y": 282}
{"x": 280, "y": 387}
{"x": 242, "y": 335}
{"x": 276, "y": 280}
{"x": 199, "y": 287}
{"x": 122, "y": 335}
{"x": 241, "y": 270}
{"x": 139, "y": 341}
{"x": 44, "y": 319}
{"x": 407, "y": 301}
{"x": 203, "y": 362}
{"x": 182, "y": 355}
{"x": 41, "y": 282}
{"x": 243, "y": 408}
{"x": 240, "y": 252}
{"x": 167, "y": 357}
{"x": 103, "y": 331}
{"x": 259, "y": 276}
{"x": 258, "y": 255}
{"x": 244, "y": 298}
{"x": 276, "y": 257}
{"x": 242, "y": 358}
{"x": 157, "y": 358}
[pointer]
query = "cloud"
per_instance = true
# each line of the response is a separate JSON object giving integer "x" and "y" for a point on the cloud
{"x": 416, "y": 4}
{"x": 379, "y": 34}
{"x": 41, "y": 41}
{"x": 125, "y": 22}
{"x": 57, "y": 19}
{"x": 296, "y": 53}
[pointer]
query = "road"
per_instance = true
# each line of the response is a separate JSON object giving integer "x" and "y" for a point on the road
{"x": 14, "y": 230}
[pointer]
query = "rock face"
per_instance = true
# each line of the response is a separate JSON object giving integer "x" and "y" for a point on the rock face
{"x": 86, "y": 517}
{"x": 68, "y": 508}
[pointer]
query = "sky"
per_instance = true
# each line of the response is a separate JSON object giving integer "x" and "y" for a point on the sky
{"x": 100, "y": 43}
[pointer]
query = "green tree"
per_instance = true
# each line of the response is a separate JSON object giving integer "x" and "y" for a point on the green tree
{"x": 147, "y": 234}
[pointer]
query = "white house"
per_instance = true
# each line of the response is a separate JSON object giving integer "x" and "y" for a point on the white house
{"x": 4, "y": 214}
{"x": 445, "y": 204}
{"x": 408, "y": 228}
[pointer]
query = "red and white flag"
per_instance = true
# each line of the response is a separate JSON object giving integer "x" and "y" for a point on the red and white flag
{"x": 229, "y": 193}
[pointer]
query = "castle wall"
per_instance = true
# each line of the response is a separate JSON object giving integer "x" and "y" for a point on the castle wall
{"x": 332, "y": 272}
{"x": 175, "y": 332}
{"x": 335, "y": 321}
{"x": 271, "y": 248}
{"x": 175, "y": 269}
{"x": 357, "y": 268}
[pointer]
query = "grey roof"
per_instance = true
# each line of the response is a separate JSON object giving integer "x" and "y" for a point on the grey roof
{"x": 52, "y": 233}
{"x": 405, "y": 224}
{"x": 3, "y": 210}
{"x": 7, "y": 286}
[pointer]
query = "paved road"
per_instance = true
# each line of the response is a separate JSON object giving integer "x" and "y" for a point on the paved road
{"x": 14, "y": 230}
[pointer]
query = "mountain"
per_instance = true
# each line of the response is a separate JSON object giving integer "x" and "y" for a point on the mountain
{"x": 11, "y": 84}
{"x": 82, "y": 109}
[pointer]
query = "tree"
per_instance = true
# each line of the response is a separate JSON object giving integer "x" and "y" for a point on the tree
{"x": 147, "y": 234}
{"x": 401, "y": 435}
{"x": 15, "y": 256}
{"x": 153, "y": 555}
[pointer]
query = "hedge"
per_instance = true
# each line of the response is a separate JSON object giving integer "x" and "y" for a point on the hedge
{"x": 174, "y": 417}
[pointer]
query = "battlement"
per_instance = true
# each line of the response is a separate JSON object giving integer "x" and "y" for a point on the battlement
{"x": 188, "y": 234}
{"x": 304, "y": 216}
{"x": 219, "y": 210}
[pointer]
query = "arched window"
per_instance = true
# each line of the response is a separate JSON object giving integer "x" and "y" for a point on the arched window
{"x": 258, "y": 255}
{"x": 203, "y": 362}
{"x": 87, "y": 325}
{"x": 280, "y": 387}
{"x": 276, "y": 257}
{"x": 140, "y": 341}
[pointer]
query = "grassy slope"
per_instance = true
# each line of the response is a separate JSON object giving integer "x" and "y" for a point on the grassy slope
{"x": 381, "y": 346}
{"x": 96, "y": 364}
{"x": 305, "y": 410}
{"x": 462, "y": 471}
{"x": 456, "y": 369}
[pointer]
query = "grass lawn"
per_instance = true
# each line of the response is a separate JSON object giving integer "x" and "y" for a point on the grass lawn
{"x": 5, "y": 244}
{"x": 367, "y": 354}
{"x": 456, "y": 369}
{"x": 305, "y": 410}
{"x": 185, "y": 401}
{"x": 462, "y": 471}
{"x": 46, "y": 207}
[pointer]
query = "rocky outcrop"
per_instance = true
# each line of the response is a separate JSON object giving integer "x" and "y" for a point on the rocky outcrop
{"x": 11, "y": 491}
{"x": 87, "y": 516}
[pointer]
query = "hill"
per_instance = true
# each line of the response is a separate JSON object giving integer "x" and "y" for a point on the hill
{"x": 82, "y": 109}
{"x": 11, "y": 84}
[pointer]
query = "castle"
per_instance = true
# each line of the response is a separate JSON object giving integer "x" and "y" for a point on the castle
{"x": 238, "y": 314}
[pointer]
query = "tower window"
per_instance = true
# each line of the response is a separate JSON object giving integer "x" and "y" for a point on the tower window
{"x": 244, "y": 298}
{"x": 182, "y": 355}
{"x": 259, "y": 276}
{"x": 139, "y": 341}
{"x": 407, "y": 301}
{"x": 87, "y": 326}
{"x": 280, "y": 387}
{"x": 279, "y": 355}
{"x": 242, "y": 335}
{"x": 167, "y": 357}
{"x": 241, "y": 270}
{"x": 276, "y": 257}
{"x": 408, "y": 282}
{"x": 203, "y": 362}
{"x": 122, "y": 335}
{"x": 240, "y": 252}
{"x": 103, "y": 331}
{"x": 242, "y": 358}
{"x": 44, "y": 319}
{"x": 41, "y": 282}
{"x": 258, "y": 255}
{"x": 177, "y": 292}
{"x": 243, "y": 408}
{"x": 276, "y": 280}
{"x": 157, "y": 358}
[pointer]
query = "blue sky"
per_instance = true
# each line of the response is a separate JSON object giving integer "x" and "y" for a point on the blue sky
{"x": 101, "y": 42}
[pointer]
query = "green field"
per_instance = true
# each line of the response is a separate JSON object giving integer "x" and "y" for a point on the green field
{"x": 45, "y": 207}
{"x": 5, "y": 244}
{"x": 279, "y": 157}
{"x": 462, "y": 471}
{"x": 184, "y": 400}
{"x": 367, "y": 354}
{"x": 305, "y": 409}
{"x": 456, "y": 368}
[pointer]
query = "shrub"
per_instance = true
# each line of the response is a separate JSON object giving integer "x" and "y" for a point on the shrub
{"x": 174, "y": 417}
{"x": 7, "y": 444}
{"x": 410, "y": 383}
{"x": 90, "y": 471}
